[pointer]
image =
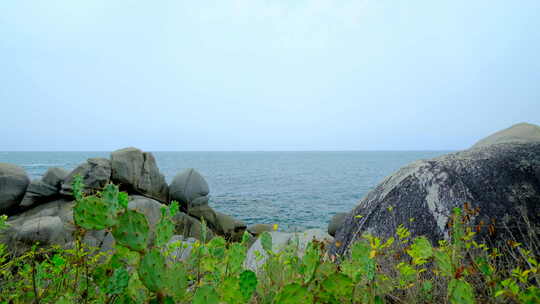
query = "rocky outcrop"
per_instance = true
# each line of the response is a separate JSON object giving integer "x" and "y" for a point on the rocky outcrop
{"x": 45, "y": 189}
{"x": 137, "y": 172}
{"x": 498, "y": 179}
{"x": 189, "y": 188}
{"x": 257, "y": 229}
{"x": 95, "y": 173}
{"x": 13, "y": 184}
{"x": 519, "y": 133}
{"x": 336, "y": 222}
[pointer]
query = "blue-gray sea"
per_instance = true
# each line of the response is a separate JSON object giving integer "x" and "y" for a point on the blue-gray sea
{"x": 296, "y": 190}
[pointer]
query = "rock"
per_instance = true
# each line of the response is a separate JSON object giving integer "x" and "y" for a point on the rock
{"x": 257, "y": 229}
{"x": 181, "y": 248}
{"x": 38, "y": 192}
{"x": 95, "y": 173}
{"x": 54, "y": 177}
{"x": 191, "y": 227}
{"x": 13, "y": 184}
{"x": 229, "y": 227}
{"x": 189, "y": 188}
{"x": 206, "y": 213}
{"x": 519, "y": 133}
{"x": 498, "y": 179}
{"x": 149, "y": 207}
{"x": 282, "y": 239}
{"x": 45, "y": 229}
{"x": 222, "y": 224}
{"x": 336, "y": 222}
{"x": 137, "y": 172}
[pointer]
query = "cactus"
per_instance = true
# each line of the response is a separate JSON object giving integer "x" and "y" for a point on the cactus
{"x": 248, "y": 284}
{"x": 164, "y": 228}
{"x": 132, "y": 230}
{"x": 294, "y": 293}
{"x": 110, "y": 196}
{"x": 91, "y": 212}
{"x": 152, "y": 271}
{"x": 205, "y": 295}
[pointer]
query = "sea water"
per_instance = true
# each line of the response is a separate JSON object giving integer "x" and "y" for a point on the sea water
{"x": 296, "y": 190}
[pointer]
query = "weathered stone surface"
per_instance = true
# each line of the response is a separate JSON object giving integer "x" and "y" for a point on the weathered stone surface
{"x": 13, "y": 184}
{"x": 137, "y": 172}
{"x": 519, "y": 133}
{"x": 257, "y": 229}
{"x": 336, "y": 222}
{"x": 54, "y": 177}
{"x": 282, "y": 239}
{"x": 497, "y": 178}
{"x": 95, "y": 173}
{"x": 188, "y": 226}
{"x": 229, "y": 227}
{"x": 189, "y": 188}
{"x": 38, "y": 192}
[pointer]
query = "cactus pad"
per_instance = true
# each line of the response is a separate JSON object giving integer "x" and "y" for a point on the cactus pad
{"x": 152, "y": 271}
{"x": 92, "y": 212}
{"x": 131, "y": 230}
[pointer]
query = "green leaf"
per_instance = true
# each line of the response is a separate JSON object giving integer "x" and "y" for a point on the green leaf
{"x": 293, "y": 294}
{"x": 123, "y": 200}
{"x": 118, "y": 282}
{"x": 152, "y": 271}
{"x": 236, "y": 256}
{"x": 310, "y": 261}
{"x": 164, "y": 229}
{"x": 205, "y": 295}
{"x": 338, "y": 287}
{"x": 444, "y": 263}
{"x": 266, "y": 241}
{"x": 93, "y": 213}
{"x": 248, "y": 284}
{"x": 459, "y": 291}
{"x": 132, "y": 230}
{"x": 421, "y": 250}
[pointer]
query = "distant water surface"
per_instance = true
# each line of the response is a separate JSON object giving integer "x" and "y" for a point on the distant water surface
{"x": 297, "y": 190}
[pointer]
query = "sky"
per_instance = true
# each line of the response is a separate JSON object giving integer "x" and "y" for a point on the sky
{"x": 261, "y": 75}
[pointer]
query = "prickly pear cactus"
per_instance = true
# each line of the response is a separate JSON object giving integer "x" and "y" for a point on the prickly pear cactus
{"x": 152, "y": 271}
{"x": 110, "y": 196}
{"x": 92, "y": 212}
{"x": 131, "y": 230}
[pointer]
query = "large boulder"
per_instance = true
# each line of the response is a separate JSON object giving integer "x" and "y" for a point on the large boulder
{"x": 48, "y": 224}
{"x": 95, "y": 173}
{"x": 222, "y": 224}
{"x": 13, "y": 184}
{"x": 336, "y": 222}
{"x": 54, "y": 177}
{"x": 189, "y": 188}
{"x": 519, "y": 133}
{"x": 137, "y": 172}
{"x": 45, "y": 189}
{"x": 501, "y": 180}
{"x": 257, "y": 229}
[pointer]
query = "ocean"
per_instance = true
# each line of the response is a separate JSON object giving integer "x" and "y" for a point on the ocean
{"x": 296, "y": 190}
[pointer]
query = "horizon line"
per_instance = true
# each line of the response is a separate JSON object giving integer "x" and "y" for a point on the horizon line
{"x": 206, "y": 151}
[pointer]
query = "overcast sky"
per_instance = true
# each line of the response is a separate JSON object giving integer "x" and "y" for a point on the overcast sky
{"x": 265, "y": 75}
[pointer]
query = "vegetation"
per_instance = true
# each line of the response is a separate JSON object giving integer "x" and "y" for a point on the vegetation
{"x": 400, "y": 269}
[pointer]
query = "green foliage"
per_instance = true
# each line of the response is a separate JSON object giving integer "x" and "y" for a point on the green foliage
{"x": 266, "y": 241}
{"x": 206, "y": 295}
{"x": 399, "y": 269}
{"x": 93, "y": 213}
{"x": 132, "y": 230}
{"x": 294, "y": 293}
